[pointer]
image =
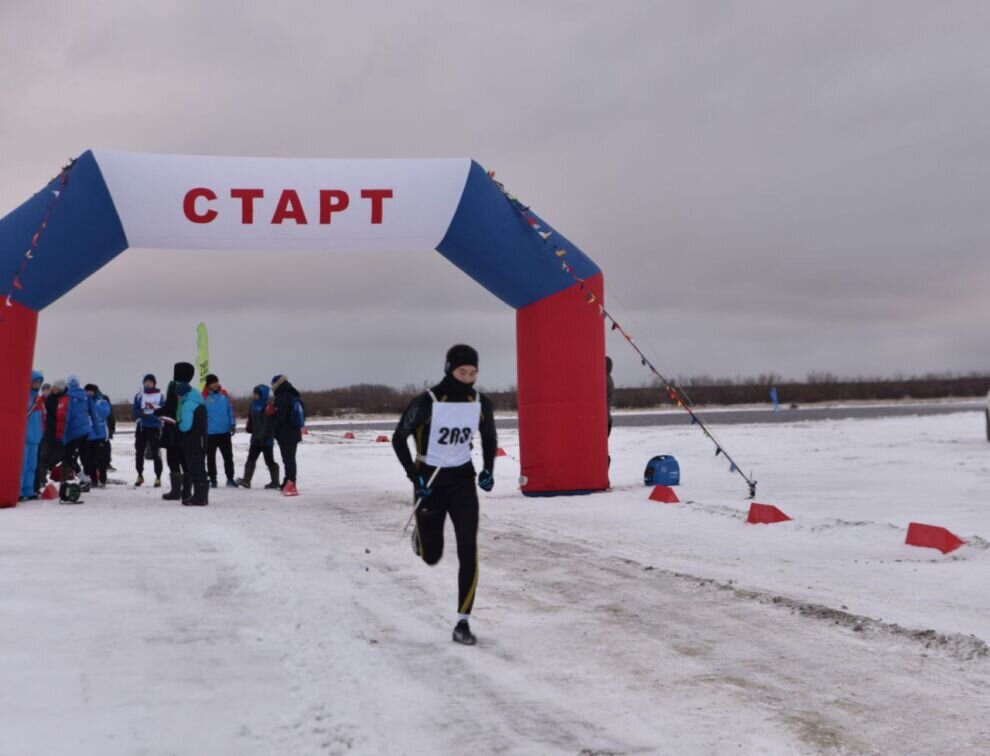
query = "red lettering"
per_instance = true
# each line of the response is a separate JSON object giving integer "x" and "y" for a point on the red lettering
{"x": 189, "y": 205}
{"x": 332, "y": 201}
{"x": 377, "y": 197}
{"x": 247, "y": 198}
{"x": 289, "y": 208}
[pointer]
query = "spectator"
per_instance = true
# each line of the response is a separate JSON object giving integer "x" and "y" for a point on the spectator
{"x": 260, "y": 425}
{"x": 148, "y": 402}
{"x": 193, "y": 424}
{"x": 221, "y": 426}
{"x": 289, "y": 419}
{"x": 32, "y": 440}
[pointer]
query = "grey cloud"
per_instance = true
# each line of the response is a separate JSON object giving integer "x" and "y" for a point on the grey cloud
{"x": 768, "y": 186}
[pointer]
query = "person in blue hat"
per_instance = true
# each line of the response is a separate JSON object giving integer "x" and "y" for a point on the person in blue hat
{"x": 99, "y": 436}
{"x": 261, "y": 427}
{"x": 32, "y": 441}
{"x": 78, "y": 426}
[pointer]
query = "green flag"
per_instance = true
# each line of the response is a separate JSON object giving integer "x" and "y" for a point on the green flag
{"x": 202, "y": 354}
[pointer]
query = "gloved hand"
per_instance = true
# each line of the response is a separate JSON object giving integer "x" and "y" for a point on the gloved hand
{"x": 422, "y": 490}
{"x": 486, "y": 481}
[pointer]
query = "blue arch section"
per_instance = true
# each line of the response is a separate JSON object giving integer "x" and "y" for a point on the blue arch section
{"x": 490, "y": 241}
{"x": 83, "y": 235}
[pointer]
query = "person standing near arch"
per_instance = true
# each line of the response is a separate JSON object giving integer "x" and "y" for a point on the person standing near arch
{"x": 221, "y": 425}
{"x": 180, "y": 485}
{"x": 32, "y": 441}
{"x": 288, "y": 420}
{"x": 148, "y": 428}
{"x": 444, "y": 423}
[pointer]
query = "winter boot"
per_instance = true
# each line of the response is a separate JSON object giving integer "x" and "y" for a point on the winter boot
{"x": 274, "y": 485}
{"x": 231, "y": 483}
{"x": 158, "y": 482}
{"x": 463, "y": 634}
{"x": 245, "y": 482}
{"x": 213, "y": 482}
{"x": 200, "y": 496}
{"x": 140, "y": 481}
{"x": 289, "y": 489}
{"x": 187, "y": 489}
{"x": 175, "y": 490}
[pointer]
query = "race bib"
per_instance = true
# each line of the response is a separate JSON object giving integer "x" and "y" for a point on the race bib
{"x": 453, "y": 427}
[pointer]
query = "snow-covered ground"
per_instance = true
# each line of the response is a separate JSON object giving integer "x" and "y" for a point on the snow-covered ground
{"x": 607, "y": 623}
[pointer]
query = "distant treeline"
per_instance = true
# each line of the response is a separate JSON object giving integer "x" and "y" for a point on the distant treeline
{"x": 817, "y": 387}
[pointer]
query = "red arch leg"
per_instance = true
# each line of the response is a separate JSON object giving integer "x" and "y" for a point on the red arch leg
{"x": 563, "y": 420}
{"x": 18, "y": 329}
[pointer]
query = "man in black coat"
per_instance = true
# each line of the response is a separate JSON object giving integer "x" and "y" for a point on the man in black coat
{"x": 180, "y": 487}
{"x": 193, "y": 429}
{"x": 288, "y": 423}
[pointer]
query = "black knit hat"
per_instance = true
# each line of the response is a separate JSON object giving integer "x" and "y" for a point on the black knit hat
{"x": 460, "y": 355}
{"x": 91, "y": 387}
{"x": 150, "y": 377}
{"x": 211, "y": 379}
{"x": 183, "y": 372}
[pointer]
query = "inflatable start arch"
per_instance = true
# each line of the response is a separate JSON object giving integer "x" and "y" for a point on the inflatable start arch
{"x": 108, "y": 201}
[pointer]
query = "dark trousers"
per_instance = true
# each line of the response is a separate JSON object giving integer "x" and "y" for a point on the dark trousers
{"x": 44, "y": 455}
{"x": 195, "y": 468}
{"x": 77, "y": 455}
{"x": 147, "y": 442}
{"x": 99, "y": 460}
{"x": 257, "y": 450}
{"x": 219, "y": 441}
{"x": 459, "y": 499}
{"x": 175, "y": 458}
{"x": 288, "y": 451}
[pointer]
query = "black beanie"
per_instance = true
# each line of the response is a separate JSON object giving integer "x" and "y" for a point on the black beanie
{"x": 211, "y": 378}
{"x": 460, "y": 355}
{"x": 183, "y": 372}
{"x": 150, "y": 377}
{"x": 91, "y": 387}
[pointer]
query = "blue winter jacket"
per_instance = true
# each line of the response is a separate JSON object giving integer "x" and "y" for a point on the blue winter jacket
{"x": 219, "y": 413}
{"x": 78, "y": 423}
{"x": 99, "y": 409}
{"x": 35, "y": 428}
{"x": 190, "y": 402}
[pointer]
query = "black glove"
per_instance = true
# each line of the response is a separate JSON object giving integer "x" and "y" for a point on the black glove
{"x": 486, "y": 481}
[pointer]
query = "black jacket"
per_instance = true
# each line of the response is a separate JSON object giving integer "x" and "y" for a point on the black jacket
{"x": 415, "y": 422}
{"x": 51, "y": 416}
{"x": 285, "y": 432}
{"x": 170, "y": 432}
{"x": 193, "y": 441}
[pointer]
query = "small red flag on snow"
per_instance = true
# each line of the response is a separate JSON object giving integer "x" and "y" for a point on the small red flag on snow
{"x": 349, "y": 436}
{"x": 664, "y": 494}
{"x": 50, "y": 492}
{"x": 765, "y": 514}
{"x": 382, "y": 439}
{"x": 932, "y": 537}
{"x": 500, "y": 452}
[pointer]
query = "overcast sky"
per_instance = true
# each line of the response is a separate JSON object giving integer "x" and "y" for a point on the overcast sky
{"x": 768, "y": 186}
